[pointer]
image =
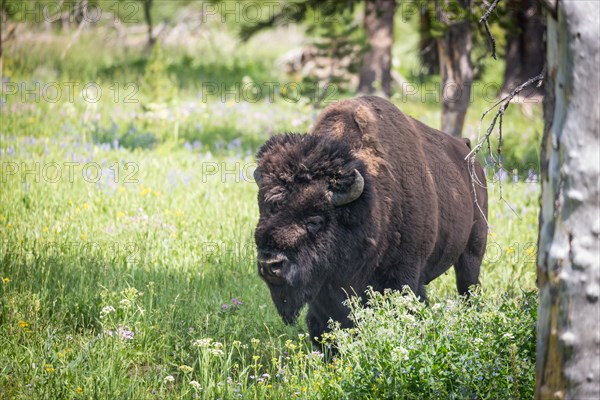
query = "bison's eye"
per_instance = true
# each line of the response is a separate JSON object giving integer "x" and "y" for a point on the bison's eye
{"x": 314, "y": 225}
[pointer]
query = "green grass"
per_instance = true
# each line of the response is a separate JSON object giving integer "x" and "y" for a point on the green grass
{"x": 167, "y": 252}
{"x": 132, "y": 273}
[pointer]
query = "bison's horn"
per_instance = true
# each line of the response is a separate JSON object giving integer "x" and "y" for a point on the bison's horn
{"x": 342, "y": 198}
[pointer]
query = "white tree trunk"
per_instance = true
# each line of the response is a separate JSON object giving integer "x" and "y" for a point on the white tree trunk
{"x": 568, "y": 343}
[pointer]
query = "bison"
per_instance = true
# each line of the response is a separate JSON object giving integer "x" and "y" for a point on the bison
{"x": 370, "y": 197}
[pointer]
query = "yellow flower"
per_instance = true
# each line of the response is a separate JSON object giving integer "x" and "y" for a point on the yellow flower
{"x": 79, "y": 390}
{"x": 83, "y": 237}
{"x": 61, "y": 354}
{"x": 8, "y": 226}
{"x": 186, "y": 368}
{"x": 5, "y": 280}
{"x": 86, "y": 206}
{"x": 145, "y": 191}
{"x": 530, "y": 251}
{"x": 510, "y": 250}
{"x": 23, "y": 324}
{"x": 156, "y": 193}
{"x": 121, "y": 189}
{"x": 179, "y": 213}
{"x": 49, "y": 369}
{"x": 45, "y": 229}
{"x": 70, "y": 202}
{"x": 120, "y": 214}
{"x": 2, "y": 218}
{"x": 77, "y": 209}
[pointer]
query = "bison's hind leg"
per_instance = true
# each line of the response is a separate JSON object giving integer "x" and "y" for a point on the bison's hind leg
{"x": 469, "y": 263}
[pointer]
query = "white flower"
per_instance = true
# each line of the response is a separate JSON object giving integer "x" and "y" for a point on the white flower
{"x": 106, "y": 310}
{"x": 195, "y": 385}
{"x": 169, "y": 379}
{"x": 202, "y": 342}
{"x": 216, "y": 352}
{"x": 508, "y": 335}
{"x": 125, "y": 303}
{"x": 478, "y": 341}
{"x": 399, "y": 354}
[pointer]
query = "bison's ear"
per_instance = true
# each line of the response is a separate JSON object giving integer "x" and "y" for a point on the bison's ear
{"x": 258, "y": 177}
{"x": 343, "y": 198}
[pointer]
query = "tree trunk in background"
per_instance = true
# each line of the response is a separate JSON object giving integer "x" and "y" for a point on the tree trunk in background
{"x": 148, "y": 16}
{"x": 377, "y": 62}
{"x": 568, "y": 335}
{"x": 454, "y": 50}
{"x": 428, "y": 51}
{"x": 525, "y": 46}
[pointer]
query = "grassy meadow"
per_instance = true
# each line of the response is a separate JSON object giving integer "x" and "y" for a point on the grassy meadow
{"x": 126, "y": 231}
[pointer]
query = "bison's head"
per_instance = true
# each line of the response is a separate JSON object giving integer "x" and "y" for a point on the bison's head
{"x": 312, "y": 200}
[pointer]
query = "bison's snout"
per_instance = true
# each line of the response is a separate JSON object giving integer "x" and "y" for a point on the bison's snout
{"x": 271, "y": 267}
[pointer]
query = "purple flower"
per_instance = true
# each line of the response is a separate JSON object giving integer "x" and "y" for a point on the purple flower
{"x": 236, "y": 302}
{"x": 125, "y": 333}
{"x": 224, "y": 306}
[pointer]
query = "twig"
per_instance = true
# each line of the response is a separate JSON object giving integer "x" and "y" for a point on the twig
{"x": 484, "y": 19}
{"x": 503, "y": 103}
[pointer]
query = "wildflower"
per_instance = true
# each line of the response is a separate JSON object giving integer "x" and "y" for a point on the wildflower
{"x": 5, "y": 280}
{"x": 48, "y": 368}
{"x": 255, "y": 342}
{"x": 508, "y": 335}
{"x": 169, "y": 379}
{"x": 510, "y": 250}
{"x": 186, "y": 369}
{"x": 195, "y": 385}
{"x": 236, "y": 302}
{"x": 399, "y": 354}
{"x": 86, "y": 206}
{"x": 265, "y": 376}
{"x": 120, "y": 214}
{"x": 125, "y": 303}
{"x": 216, "y": 352}
{"x": 224, "y": 306}
{"x": 202, "y": 342}
{"x": 530, "y": 251}
{"x": 23, "y": 324}
{"x": 106, "y": 310}
{"x": 124, "y": 333}
{"x": 79, "y": 390}
{"x": 45, "y": 229}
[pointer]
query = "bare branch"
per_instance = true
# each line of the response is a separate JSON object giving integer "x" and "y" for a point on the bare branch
{"x": 484, "y": 19}
{"x": 504, "y": 102}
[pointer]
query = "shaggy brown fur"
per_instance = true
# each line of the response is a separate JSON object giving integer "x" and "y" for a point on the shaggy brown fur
{"x": 413, "y": 218}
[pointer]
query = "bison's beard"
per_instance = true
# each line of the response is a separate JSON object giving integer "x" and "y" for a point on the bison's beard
{"x": 289, "y": 300}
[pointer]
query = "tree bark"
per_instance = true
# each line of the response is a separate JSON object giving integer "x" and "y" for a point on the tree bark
{"x": 377, "y": 61}
{"x": 428, "y": 51}
{"x": 454, "y": 50}
{"x": 568, "y": 267}
{"x": 525, "y": 46}
{"x": 148, "y": 16}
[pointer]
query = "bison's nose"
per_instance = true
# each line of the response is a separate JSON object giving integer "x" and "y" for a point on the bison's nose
{"x": 272, "y": 266}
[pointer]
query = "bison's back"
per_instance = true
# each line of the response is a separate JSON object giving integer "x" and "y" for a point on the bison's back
{"x": 422, "y": 184}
